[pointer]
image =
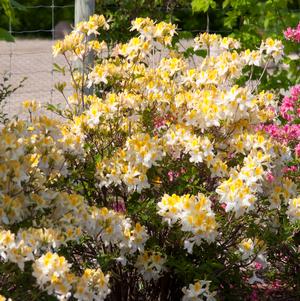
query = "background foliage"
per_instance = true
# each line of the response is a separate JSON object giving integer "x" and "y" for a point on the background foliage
{"x": 248, "y": 20}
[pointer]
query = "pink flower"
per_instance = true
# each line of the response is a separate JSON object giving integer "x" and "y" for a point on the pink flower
{"x": 289, "y": 33}
{"x": 254, "y": 296}
{"x": 292, "y": 168}
{"x": 284, "y": 134}
{"x": 276, "y": 283}
{"x": 287, "y": 107}
{"x": 293, "y": 34}
{"x": 173, "y": 175}
{"x": 297, "y": 150}
{"x": 295, "y": 91}
{"x": 230, "y": 155}
{"x": 288, "y": 131}
{"x": 285, "y": 169}
{"x": 223, "y": 205}
{"x": 160, "y": 122}
{"x": 182, "y": 170}
{"x": 119, "y": 206}
{"x": 258, "y": 266}
{"x": 270, "y": 178}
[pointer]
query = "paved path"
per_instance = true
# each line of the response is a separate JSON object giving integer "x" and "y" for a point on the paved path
{"x": 31, "y": 59}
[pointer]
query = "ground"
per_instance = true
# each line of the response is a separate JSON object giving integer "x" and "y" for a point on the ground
{"x": 32, "y": 59}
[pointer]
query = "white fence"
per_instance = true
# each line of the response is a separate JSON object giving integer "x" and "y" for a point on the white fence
{"x": 31, "y": 58}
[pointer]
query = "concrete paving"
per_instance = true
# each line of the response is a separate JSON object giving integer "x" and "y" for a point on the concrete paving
{"x": 31, "y": 59}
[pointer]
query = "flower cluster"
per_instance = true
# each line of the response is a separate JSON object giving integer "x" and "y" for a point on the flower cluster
{"x": 206, "y": 40}
{"x": 239, "y": 192}
{"x": 150, "y": 265}
{"x": 293, "y": 34}
{"x": 194, "y": 214}
{"x": 251, "y": 248}
{"x": 76, "y": 44}
{"x": 269, "y": 49}
{"x": 114, "y": 229}
{"x": 288, "y": 130}
{"x": 162, "y": 32}
{"x": 92, "y": 285}
{"x": 290, "y": 108}
{"x": 272, "y": 48}
{"x": 53, "y": 275}
{"x": 28, "y": 154}
{"x": 198, "y": 290}
{"x": 24, "y": 246}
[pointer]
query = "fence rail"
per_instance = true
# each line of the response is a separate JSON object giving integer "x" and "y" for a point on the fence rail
{"x": 32, "y": 59}
{"x": 45, "y": 6}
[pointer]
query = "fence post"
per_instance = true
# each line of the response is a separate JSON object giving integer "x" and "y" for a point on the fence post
{"x": 52, "y": 57}
{"x": 10, "y": 60}
{"x": 83, "y": 10}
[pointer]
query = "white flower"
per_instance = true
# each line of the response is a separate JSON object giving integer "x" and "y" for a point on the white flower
{"x": 293, "y": 211}
{"x": 246, "y": 247}
{"x": 255, "y": 279}
{"x": 198, "y": 290}
{"x": 150, "y": 265}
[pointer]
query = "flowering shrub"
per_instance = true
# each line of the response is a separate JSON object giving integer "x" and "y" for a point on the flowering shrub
{"x": 288, "y": 129}
{"x": 154, "y": 187}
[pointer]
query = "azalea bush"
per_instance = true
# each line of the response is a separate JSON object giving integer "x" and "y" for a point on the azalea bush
{"x": 286, "y": 127}
{"x": 153, "y": 182}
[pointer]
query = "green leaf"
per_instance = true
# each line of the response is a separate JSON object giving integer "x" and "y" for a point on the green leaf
{"x": 188, "y": 52}
{"x": 17, "y": 5}
{"x": 231, "y": 19}
{"x": 8, "y": 10}
{"x": 60, "y": 86}
{"x": 226, "y": 3}
{"x": 185, "y": 35}
{"x": 57, "y": 68}
{"x": 6, "y": 36}
{"x": 202, "y": 5}
{"x": 201, "y": 52}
